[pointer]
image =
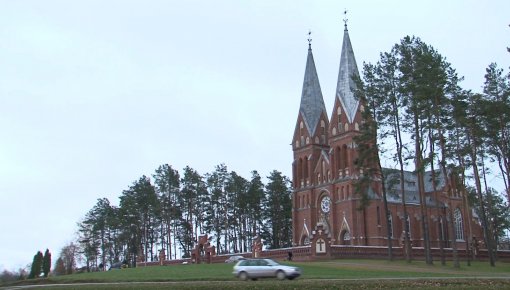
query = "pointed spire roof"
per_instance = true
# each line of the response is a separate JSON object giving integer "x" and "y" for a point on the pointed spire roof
{"x": 312, "y": 103}
{"x": 345, "y": 85}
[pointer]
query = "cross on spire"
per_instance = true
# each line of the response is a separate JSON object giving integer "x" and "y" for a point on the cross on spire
{"x": 309, "y": 39}
{"x": 345, "y": 19}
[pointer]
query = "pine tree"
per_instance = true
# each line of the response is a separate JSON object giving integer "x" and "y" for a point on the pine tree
{"x": 60, "y": 268}
{"x": 46, "y": 263}
{"x": 496, "y": 120}
{"x": 278, "y": 216}
{"x": 35, "y": 270}
{"x": 139, "y": 208}
{"x": 167, "y": 181}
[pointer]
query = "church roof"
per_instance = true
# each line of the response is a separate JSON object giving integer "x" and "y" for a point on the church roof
{"x": 312, "y": 103}
{"x": 345, "y": 84}
{"x": 392, "y": 178}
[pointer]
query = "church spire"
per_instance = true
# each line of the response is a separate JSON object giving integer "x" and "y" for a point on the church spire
{"x": 345, "y": 85}
{"x": 312, "y": 103}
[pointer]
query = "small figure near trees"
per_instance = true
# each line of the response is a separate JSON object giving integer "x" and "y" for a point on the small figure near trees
{"x": 474, "y": 246}
{"x": 257, "y": 247}
{"x": 162, "y": 257}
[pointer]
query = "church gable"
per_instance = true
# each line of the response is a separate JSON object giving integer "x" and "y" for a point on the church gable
{"x": 321, "y": 135}
{"x": 341, "y": 123}
{"x": 322, "y": 170}
{"x": 301, "y": 134}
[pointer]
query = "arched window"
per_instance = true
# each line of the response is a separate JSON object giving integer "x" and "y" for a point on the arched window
{"x": 390, "y": 225}
{"x": 323, "y": 132}
{"x": 294, "y": 174}
{"x": 306, "y": 241}
{"x": 301, "y": 133}
{"x": 344, "y": 157}
{"x": 338, "y": 158}
{"x": 300, "y": 171}
{"x": 324, "y": 176}
{"x": 305, "y": 170}
{"x": 408, "y": 224}
{"x": 459, "y": 227}
{"x": 378, "y": 216}
{"x": 339, "y": 114}
{"x": 441, "y": 229}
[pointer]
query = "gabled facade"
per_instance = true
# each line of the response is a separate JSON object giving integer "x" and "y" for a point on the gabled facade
{"x": 324, "y": 175}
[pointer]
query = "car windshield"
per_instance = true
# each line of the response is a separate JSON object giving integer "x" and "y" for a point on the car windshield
{"x": 272, "y": 263}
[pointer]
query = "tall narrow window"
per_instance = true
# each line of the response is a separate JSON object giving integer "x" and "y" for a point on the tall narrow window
{"x": 459, "y": 228}
{"x": 408, "y": 224}
{"x": 344, "y": 157}
{"x": 305, "y": 170}
{"x": 340, "y": 125}
{"x": 301, "y": 133}
{"x": 390, "y": 225}
{"x": 441, "y": 229}
{"x": 300, "y": 171}
{"x": 294, "y": 174}
{"x": 378, "y": 216}
{"x": 338, "y": 157}
{"x": 323, "y": 132}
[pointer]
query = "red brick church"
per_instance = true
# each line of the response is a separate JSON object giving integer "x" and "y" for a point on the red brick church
{"x": 324, "y": 197}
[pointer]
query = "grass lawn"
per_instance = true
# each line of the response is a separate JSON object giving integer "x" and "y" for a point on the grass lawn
{"x": 332, "y": 274}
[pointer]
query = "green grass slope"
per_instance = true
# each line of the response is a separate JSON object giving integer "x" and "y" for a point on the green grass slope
{"x": 334, "y": 274}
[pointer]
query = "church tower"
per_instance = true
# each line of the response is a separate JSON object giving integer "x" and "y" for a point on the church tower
{"x": 310, "y": 147}
{"x": 345, "y": 123}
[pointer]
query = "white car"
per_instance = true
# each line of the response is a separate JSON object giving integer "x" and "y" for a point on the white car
{"x": 264, "y": 268}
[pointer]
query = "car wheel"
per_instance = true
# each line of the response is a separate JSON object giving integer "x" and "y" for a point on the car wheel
{"x": 243, "y": 276}
{"x": 280, "y": 275}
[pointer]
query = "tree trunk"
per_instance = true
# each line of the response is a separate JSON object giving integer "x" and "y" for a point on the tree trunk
{"x": 421, "y": 189}
{"x": 478, "y": 185}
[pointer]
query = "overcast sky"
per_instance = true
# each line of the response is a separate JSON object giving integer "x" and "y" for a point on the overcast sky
{"x": 95, "y": 94}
